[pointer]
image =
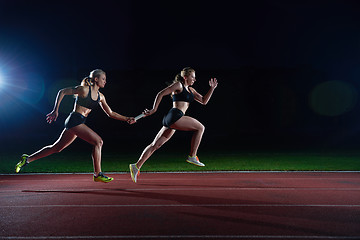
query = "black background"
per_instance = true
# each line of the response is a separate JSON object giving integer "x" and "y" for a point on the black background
{"x": 288, "y": 71}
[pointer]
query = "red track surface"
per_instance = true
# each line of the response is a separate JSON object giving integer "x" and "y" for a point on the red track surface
{"x": 184, "y": 206}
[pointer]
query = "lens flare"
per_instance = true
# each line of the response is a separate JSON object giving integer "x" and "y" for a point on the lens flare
{"x": 333, "y": 98}
{"x": 1, "y": 79}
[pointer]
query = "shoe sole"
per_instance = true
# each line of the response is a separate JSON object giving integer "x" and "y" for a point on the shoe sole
{"x": 95, "y": 180}
{"x": 199, "y": 165}
{"x": 132, "y": 174}
{"x": 17, "y": 169}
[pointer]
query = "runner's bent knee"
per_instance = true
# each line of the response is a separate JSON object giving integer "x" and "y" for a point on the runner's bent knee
{"x": 201, "y": 127}
{"x": 98, "y": 143}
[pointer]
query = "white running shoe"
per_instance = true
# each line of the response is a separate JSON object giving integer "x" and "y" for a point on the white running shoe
{"x": 195, "y": 161}
{"x": 134, "y": 171}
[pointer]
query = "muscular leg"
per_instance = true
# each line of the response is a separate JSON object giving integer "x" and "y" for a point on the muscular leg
{"x": 162, "y": 137}
{"x": 65, "y": 139}
{"x": 187, "y": 123}
{"x": 87, "y": 134}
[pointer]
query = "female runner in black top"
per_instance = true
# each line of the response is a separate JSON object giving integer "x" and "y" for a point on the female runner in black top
{"x": 182, "y": 95}
{"x": 88, "y": 97}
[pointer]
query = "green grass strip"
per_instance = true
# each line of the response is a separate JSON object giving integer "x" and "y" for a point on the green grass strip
{"x": 73, "y": 162}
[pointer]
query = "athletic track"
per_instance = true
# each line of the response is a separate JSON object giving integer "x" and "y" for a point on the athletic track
{"x": 232, "y": 205}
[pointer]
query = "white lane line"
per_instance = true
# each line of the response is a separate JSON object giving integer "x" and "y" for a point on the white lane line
{"x": 185, "y": 237}
{"x": 184, "y": 189}
{"x": 187, "y": 172}
{"x": 245, "y": 189}
{"x": 214, "y": 179}
{"x": 198, "y": 189}
{"x": 202, "y": 189}
{"x": 181, "y": 205}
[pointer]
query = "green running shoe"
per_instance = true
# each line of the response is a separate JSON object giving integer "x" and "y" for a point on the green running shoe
{"x": 102, "y": 178}
{"x": 23, "y": 162}
{"x": 134, "y": 171}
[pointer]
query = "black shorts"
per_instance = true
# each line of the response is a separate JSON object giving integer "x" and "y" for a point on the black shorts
{"x": 74, "y": 119}
{"x": 171, "y": 117}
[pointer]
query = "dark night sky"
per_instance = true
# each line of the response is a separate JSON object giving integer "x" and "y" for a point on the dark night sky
{"x": 284, "y": 67}
{"x": 166, "y": 34}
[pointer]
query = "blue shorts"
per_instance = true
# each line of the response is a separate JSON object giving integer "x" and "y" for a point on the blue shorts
{"x": 74, "y": 119}
{"x": 171, "y": 117}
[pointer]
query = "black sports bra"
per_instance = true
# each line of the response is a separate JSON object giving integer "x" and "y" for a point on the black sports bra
{"x": 87, "y": 101}
{"x": 184, "y": 96}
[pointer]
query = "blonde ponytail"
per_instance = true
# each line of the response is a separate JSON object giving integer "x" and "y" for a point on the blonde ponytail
{"x": 185, "y": 72}
{"x": 89, "y": 80}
